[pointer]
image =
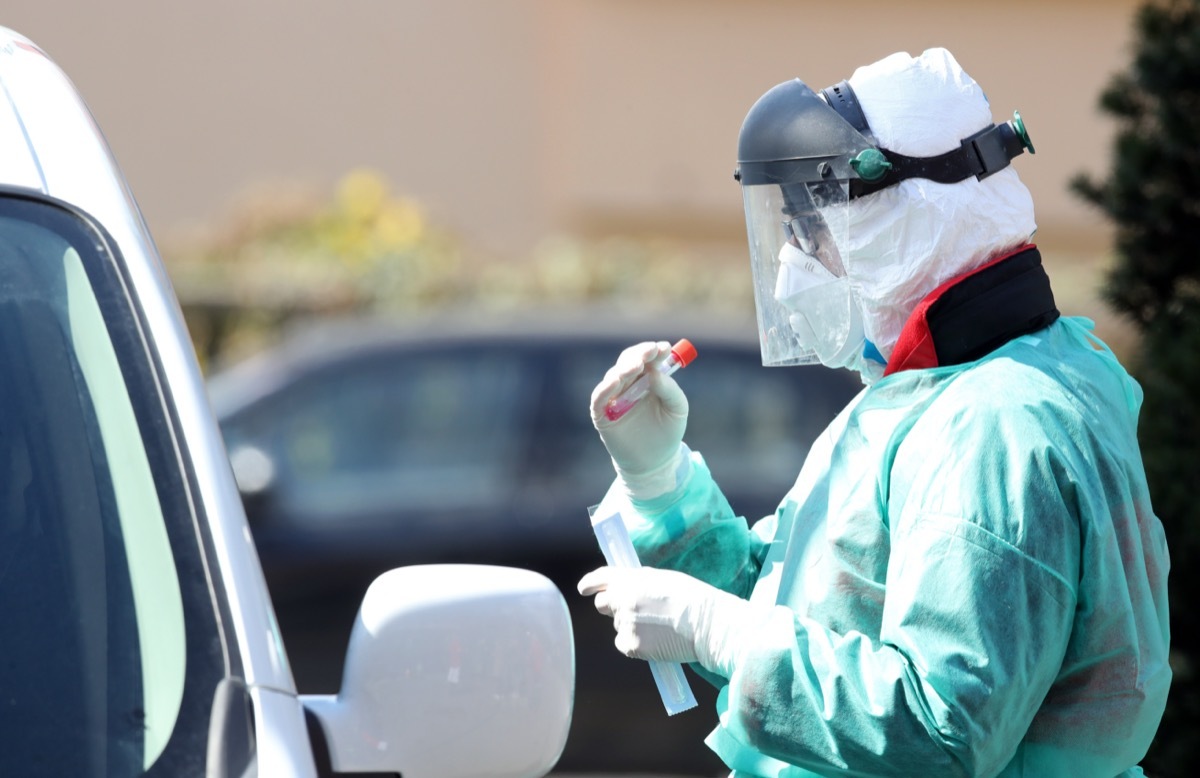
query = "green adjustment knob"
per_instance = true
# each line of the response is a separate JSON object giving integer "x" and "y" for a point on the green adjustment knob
{"x": 1019, "y": 125}
{"x": 871, "y": 165}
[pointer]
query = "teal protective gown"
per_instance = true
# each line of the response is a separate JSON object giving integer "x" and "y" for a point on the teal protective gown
{"x": 973, "y": 578}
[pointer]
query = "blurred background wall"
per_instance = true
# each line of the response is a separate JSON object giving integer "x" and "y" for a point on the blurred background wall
{"x": 514, "y": 120}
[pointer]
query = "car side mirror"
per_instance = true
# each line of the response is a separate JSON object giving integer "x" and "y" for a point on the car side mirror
{"x": 453, "y": 670}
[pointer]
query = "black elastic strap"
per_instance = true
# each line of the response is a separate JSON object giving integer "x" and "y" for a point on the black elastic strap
{"x": 984, "y": 153}
{"x": 991, "y": 307}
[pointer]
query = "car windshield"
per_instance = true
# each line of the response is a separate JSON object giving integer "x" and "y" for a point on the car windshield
{"x": 110, "y": 647}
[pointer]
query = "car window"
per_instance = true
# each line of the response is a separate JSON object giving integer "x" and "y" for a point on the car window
{"x": 754, "y": 424}
{"x": 98, "y": 674}
{"x": 380, "y": 429}
{"x": 582, "y": 462}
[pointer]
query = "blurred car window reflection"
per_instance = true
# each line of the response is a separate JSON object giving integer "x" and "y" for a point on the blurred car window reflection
{"x": 354, "y": 441}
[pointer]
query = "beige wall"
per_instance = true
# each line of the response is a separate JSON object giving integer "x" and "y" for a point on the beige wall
{"x": 515, "y": 118}
{"x": 647, "y": 116}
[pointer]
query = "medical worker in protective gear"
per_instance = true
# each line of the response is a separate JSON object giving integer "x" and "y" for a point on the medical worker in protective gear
{"x": 967, "y": 577}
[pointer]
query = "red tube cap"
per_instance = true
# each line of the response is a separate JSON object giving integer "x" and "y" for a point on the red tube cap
{"x": 684, "y": 351}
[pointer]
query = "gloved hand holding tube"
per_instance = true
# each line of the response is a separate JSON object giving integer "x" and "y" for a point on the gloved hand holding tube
{"x": 668, "y": 617}
{"x": 618, "y": 551}
{"x": 664, "y": 616}
{"x": 645, "y": 440}
{"x": 682, "y": 354}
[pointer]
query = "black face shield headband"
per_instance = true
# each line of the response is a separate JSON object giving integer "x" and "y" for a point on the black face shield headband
{"x": 982, "y": 154}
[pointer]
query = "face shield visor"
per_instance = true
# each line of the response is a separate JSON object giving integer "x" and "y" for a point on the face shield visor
{"x": 796, "y": 158}
{"x": 806, "y": 311}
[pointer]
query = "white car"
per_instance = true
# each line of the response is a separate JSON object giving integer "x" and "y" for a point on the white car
{"x": 136, "y": 633}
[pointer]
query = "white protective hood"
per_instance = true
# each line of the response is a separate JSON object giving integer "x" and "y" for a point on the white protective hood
{"x": 906, "y": 240}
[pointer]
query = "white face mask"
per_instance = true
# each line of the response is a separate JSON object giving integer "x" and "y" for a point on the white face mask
{"x": 799, "y": 272}
{"x": 824, "y": 314}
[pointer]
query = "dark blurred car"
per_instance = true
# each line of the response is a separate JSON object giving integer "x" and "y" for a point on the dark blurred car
{"x": 363, "y": 446}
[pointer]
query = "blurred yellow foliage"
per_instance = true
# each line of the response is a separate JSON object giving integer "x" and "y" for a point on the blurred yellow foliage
{"x": 367, "y": 250}
{"x": 361, "y": 195}
{"x": 367, "y": 223}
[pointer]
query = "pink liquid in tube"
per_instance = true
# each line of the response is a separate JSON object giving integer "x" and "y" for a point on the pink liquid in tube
{"x": 682, "y": 354}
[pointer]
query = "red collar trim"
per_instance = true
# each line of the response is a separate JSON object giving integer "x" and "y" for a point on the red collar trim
{"x": 914, "y": 348}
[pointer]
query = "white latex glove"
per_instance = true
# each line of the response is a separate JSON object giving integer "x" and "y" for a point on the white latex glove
{"x": 670, "y": 616}
{"x": 645, "y": 443}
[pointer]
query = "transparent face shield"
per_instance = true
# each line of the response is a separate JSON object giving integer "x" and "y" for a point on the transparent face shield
{"x": 806, "y": 311}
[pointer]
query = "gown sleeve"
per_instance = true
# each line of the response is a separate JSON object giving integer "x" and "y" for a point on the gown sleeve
{"x": 695, "y": 531}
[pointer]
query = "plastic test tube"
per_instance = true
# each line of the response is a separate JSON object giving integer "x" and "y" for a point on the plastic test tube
{"x": 618, "y": 551}
{"x": 682, "y": 354}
